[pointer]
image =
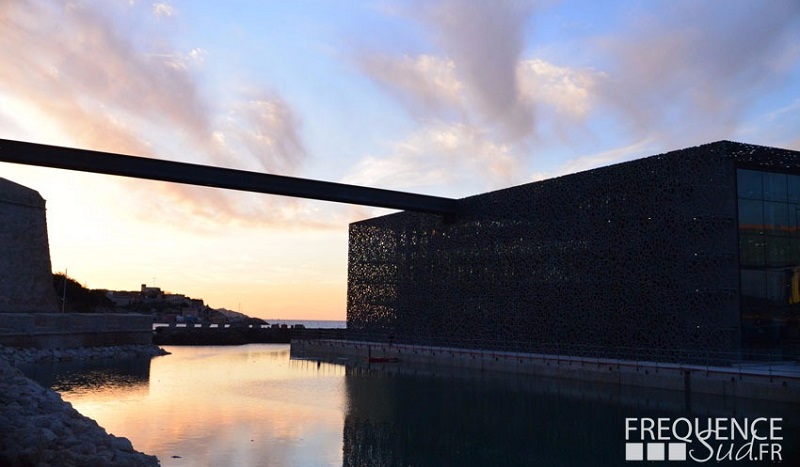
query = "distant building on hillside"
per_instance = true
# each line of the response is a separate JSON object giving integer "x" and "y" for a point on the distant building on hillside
{"x": 151, "y": 292}
{"x": 123, "y": 298}
{"x": 690, "y": 251}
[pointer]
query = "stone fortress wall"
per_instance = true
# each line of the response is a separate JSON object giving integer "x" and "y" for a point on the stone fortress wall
{"x": 29, "y": 308}
{"x": 26, "y": 284}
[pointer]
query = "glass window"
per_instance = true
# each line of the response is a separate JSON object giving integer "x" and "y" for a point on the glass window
{"x": 774, "y": 186}
{"x": 777, "y": 282}
{"x": 794, "y": 251}
{"x": 751, "y": 216}
{"x": 754, "y": 283}
{"x": 751, "y": 250}
{"x": 769, "y": 255}
{"x": 749, "y": 184}
{"x": 792, "y": 227}
{"x": 776, "y": 218}
{"x": 793, "y": 187}
{"x": 778, "y": 254}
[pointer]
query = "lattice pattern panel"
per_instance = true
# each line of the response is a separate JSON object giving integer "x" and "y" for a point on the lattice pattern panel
{"x": 640, "y": 255}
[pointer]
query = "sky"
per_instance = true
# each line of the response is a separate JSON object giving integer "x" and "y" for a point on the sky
{"x": 442, "y": 97}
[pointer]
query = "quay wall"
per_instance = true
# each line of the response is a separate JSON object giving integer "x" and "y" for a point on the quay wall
{"x": 72, "y": 330}
{"x": 776, "y": 383}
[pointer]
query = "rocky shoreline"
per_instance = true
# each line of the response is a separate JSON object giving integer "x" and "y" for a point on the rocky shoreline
{"x": 38, "y": 428}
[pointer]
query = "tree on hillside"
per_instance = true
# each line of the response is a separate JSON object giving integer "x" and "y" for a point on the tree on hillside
{"x": 77, "y": 298}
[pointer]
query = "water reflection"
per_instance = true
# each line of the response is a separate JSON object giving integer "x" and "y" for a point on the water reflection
{"x": 399, "y": 416}
{"x": 92, "y": 376}
{"x": 237, "y": 406}
{"x": 252, "y": 405}
{"x": 405, "y": 419}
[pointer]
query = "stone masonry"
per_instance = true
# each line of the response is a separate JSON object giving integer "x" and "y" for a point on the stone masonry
{"x": 26, "y": 284}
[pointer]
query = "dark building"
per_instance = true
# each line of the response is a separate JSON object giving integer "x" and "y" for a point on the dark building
{"x": 683, "y": 254}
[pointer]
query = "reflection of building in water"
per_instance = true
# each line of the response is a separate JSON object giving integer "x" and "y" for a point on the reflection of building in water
{"x": 86, "y": 376}
{"x": 399, "y": 417}
{"x": 402, "y": 420}
{"x": 688, "y": 251}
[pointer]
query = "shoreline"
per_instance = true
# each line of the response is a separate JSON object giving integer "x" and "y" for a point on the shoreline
{"x": 37, "y": 427}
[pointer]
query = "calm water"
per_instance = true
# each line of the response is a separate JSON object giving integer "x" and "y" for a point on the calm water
{"x": 252, "y": 405}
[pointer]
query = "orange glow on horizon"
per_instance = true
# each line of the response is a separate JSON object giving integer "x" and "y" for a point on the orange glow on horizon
{"x": 265, "y": 271}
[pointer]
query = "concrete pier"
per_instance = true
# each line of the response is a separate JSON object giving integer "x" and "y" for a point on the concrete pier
{"x": 772, "y": 382}
{"x": 72, "y": 330}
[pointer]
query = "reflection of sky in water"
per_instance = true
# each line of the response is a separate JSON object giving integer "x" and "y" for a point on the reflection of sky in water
{"x": 251, "y": 405}
{"x": 233, "y": 406}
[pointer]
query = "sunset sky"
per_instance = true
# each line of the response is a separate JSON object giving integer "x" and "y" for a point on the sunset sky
{"x": 441, "y": 97}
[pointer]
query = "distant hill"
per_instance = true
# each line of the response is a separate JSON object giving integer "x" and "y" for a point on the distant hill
{"x": 236, "y": 316}
{"x": 230, "y": 314}
{"x": 164, "y": 307}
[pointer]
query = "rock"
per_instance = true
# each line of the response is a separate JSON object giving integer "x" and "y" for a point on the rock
{"x": 38, "y": 428}
{"x": 98, "y": 462}
{"x": 48, "y": 435}
{"x": 121, "y": 443}
{"x": 19, "y": 356}
{"x": 87, "y": 448}
{"x": 56, "y": 426}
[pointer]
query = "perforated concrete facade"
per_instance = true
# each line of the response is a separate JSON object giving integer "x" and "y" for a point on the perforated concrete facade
{"x": 636, "y": 256}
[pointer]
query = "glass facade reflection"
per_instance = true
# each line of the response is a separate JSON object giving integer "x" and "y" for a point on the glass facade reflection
{"x": 769, "y": 258}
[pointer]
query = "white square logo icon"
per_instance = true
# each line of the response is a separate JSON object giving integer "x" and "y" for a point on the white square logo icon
{"x": 634, "y": 451}
{"x": 677, "y": 451}
{"x": 655, "y": 451}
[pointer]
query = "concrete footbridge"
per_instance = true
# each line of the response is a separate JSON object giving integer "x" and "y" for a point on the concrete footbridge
{"x": 203, "y": 175}
{"x": 27, "y": 301}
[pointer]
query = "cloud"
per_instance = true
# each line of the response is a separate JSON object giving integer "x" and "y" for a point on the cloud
{"x": 267, "y": 128}
{"x": 206, "y": 210}
{"x": 426, "y": 85}
{"x": 563, "y": 98}
{"x": 485, "y": 40}
{"x": 72, "y": 59}
{"x": 163, "y": 9}
{"x": 582, "y": 163}
{"x": 788, "y": 110}
{"x": 482, "y": 107}
{"x": 566, "y": 91}
{"x": 439, "y": 158}
{"x": 137, "y": 94}
{"x": 476, "y": 88}
{"x": 692, "y": 70}
{"x": 471, "y": 76}
{"x": 468, "y": 95}
{"x": 678, "y": 74}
